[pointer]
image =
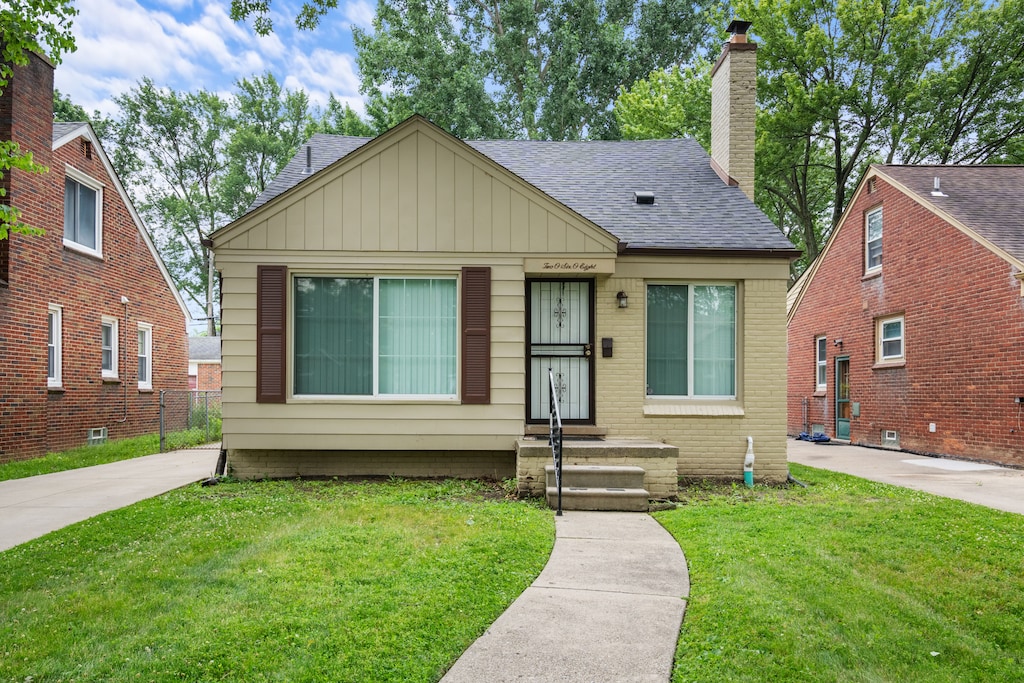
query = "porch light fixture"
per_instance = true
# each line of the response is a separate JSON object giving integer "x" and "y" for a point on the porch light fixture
{"x": 837, "y": 342}
{"x": 623, "y": 299}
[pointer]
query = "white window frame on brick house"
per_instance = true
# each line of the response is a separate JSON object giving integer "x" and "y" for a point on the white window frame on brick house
{"x": 873, "y": 240}
{"x": 145, "y": 355}
{"x": 821, "y": 363}
{"x": 108, "y": 347}
{"x": 54, "y": 346}
{"x": 76, "y": 179}
{"x": 888, "y": 338}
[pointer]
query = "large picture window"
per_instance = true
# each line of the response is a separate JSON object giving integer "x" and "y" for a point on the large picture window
{"x": 82, "y": 212}
{"x": 691, "y": 340}
{"x": 375, "y": 336}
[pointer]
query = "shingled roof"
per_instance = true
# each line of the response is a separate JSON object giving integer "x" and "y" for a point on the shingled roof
{"x": 988, "y": 200}
{"x": 692, "y": 210}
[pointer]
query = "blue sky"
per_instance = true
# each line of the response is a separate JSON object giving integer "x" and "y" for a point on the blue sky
{"x": 188, "y": 45}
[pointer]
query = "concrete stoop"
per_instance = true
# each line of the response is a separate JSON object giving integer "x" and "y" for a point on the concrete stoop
{"x": 598, "y": 487}
{"x": 597, "y": 469}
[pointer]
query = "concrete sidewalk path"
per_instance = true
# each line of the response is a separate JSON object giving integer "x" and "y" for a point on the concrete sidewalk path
{"x": 607, "y": 607}
{"x": 1000, "y": 488}
{"x": 34, "y": 506}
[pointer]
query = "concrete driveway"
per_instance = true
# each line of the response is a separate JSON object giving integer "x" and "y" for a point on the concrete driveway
{"x": 1001, "y": 488}
{"x": 34, "y": 506}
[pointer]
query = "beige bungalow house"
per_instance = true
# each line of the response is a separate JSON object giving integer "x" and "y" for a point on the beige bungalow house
{"x": 393, "y": 306}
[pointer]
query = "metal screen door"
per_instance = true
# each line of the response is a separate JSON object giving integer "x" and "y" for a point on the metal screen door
{"x": 561, "y": 325}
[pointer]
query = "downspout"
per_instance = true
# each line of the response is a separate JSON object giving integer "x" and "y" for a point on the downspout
{"x": 748, "y": 464}
{"x": 123, "y": 368}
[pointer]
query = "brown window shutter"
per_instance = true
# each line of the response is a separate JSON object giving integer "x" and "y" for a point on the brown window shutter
{"x": 476, "y": 335}
{"x": 271, "y": 298}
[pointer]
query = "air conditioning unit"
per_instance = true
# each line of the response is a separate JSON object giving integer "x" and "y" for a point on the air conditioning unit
{"x": 890, "y": 438}
{"x": 97, "y": 435}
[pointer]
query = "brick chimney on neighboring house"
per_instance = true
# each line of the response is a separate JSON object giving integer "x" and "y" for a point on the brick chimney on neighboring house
{"x": 26, "y": 117}
{"x": 733, "y": 110}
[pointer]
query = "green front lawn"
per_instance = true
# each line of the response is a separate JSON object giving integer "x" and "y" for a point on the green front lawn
{"x": 270, "y": 581}
{"x": 848, "y": 580}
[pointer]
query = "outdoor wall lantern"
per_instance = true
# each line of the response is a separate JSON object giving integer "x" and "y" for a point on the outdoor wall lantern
{"x": 623, "y": 299}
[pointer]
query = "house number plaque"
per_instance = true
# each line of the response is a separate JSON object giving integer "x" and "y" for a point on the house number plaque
{"x": 570, "y": 266}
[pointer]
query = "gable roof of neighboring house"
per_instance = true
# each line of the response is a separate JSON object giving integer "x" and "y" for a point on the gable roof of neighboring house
{"x": 693, "y": 209}
{"x": 63, "y": 133}
{"x": 984, "y": 202}
{"x": 204, "y": 348}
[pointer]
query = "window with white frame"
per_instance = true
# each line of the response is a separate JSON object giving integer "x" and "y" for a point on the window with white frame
{"x": 873, "y": 240}
{"x": 691, "y": 340}
{"x": 375, "y": 336}
{"x": 83, "y": 207}
{"x": 821, "y": 360}
{"x": 108, "y": 346}
{"x": 145, "y": 376}
{"x": 890, "y": 339}
{"x": 54, "y": 350}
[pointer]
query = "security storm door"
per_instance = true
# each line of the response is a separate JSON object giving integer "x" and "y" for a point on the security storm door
{"x": 561, "y": 327}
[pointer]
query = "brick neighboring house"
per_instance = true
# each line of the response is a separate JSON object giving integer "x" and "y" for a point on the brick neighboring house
{"x": 204, "y": 363}
{"x": 914, "y": 309}
{"x": 91, "y": 326}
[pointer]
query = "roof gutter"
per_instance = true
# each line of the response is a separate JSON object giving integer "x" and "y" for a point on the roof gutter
{"x": 744, "y": 253}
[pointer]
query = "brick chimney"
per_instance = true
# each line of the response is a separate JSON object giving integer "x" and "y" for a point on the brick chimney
{"x": 733, "y": 110}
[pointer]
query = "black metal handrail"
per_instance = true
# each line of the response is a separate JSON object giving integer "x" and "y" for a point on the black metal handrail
{"x": 555, "y": 437}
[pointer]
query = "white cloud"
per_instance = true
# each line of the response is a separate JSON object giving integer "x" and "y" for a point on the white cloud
{"x": 188, "y": 46}
{"x": 360, "y": 13}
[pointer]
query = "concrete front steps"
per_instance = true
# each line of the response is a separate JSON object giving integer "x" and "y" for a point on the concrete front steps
{"x": 598, "y": 487}
{"x": 597, "y": 468}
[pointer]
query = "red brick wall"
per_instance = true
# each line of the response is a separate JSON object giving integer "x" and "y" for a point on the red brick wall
{"x": 33, "y": 419}
{"x": 208, "y": 377}
{"x": 963, "y": 336}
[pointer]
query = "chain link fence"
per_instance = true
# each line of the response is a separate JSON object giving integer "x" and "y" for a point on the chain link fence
{"x": 189, "y": 419}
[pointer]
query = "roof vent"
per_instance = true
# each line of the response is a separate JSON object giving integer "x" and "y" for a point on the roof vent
{"x": 309, "y": 161}
{"x": 937, "y": 192}
{"x": 643, "y": 197}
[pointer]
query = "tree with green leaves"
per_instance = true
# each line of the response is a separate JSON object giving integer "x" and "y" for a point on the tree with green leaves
{"x": 26, "y": 26}
{"x": 520, "y": 68}
{"x": 170, "y": 154}
{"x": 267, "y": 123}
{"x": 66, "y": 111}
{"x": 843, "y": 85}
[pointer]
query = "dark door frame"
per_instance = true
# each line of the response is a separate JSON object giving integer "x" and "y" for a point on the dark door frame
{"x": 590, "y": 365}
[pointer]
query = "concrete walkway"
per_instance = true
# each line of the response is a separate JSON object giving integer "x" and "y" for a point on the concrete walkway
{"x": 607, "y": 607}
{"x": 34, "y": 506}
{"x": 1000, "y": 488}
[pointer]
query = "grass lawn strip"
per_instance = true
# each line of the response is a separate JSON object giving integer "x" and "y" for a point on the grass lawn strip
{"x": 848, "y": 580}
{"x": 282, "y": 581}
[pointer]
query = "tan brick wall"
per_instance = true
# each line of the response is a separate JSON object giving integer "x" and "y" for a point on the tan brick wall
{"x": 710, "y": 445}
{"x": 253, "y": 464}
{"x": 733, "y": 112}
